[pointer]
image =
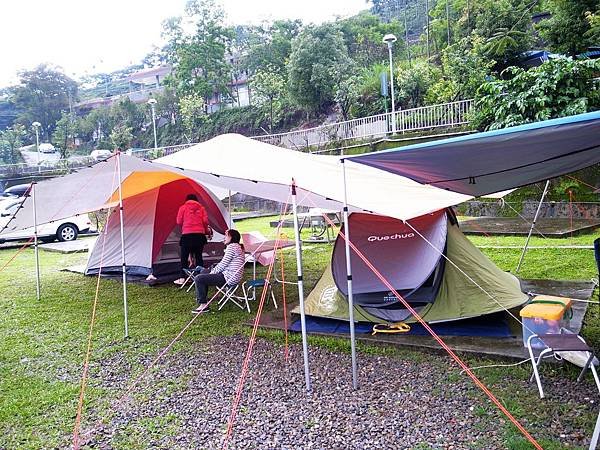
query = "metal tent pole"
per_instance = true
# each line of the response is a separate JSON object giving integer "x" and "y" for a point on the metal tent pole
{"x": 594, "y": 441}
{"x": 300, "y": 287}
{"x": 35, "y": 242}
{"x": 229, "y": 207}
{"x": 349, "y": 279}
{"x": 123, "y": 246}
{"x": 537, "y": 212}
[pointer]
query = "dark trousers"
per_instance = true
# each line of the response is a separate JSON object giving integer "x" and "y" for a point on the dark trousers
{"x": 203, "y": 281}
{"x": 192, "y": 244}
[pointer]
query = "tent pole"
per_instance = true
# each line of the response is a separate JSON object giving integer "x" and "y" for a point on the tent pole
{"x": 229, "y": 207}
{"x": 594, "y": 441}
{"x": 537, "y": 212}
{"x": 35, "y": 242}
{"x": 300, "y": 287}
{"x": 123, "y": 246}
{"x": 349, "y": 279}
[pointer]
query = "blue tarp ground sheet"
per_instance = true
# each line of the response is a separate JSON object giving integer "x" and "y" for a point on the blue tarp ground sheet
{"x": 492, "y": 325}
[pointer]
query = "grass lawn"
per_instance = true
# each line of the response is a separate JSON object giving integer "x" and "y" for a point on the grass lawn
{"x": 42, "y": 344}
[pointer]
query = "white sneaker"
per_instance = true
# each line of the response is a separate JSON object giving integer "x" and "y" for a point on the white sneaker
{"x": 151, "y": 278}
{"x": 202, "y": 308}
{"x": 179, "y": 281}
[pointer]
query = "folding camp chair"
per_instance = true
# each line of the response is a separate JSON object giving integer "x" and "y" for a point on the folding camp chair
{"x": 190, "y": 274}
{"x": 249, "y": 289}
{"x": 564, "y": 342}
{"x": 228, "y": 295}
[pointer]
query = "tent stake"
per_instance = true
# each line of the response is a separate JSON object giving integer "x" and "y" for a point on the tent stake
{"x": 300, "y": 288}
{"x": 349, "y": 278}
{"x": 35, "y": 242}
{"x": 537, "y": 212}
{"x": 123, "y": 246}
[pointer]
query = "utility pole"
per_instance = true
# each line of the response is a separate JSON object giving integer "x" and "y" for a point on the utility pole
{"x": 427, "y": 17}
{"x": 406, "y": 35}
{"x": 448, "y": 19}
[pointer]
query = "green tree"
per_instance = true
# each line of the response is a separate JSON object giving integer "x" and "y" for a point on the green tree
{"x": 192, "y": 109}
{"x": 10, "y": 141}
{"x": 270, "y": 45}
{"x": 363, "y": 35}
{"x": 130, "y": 114}
{"x": 506, "y": 27}
{"x": 464, "y": 68}
{"x": 316, "y": 55}
{"x": 268, "y": 86}
{"x": 43, "y": 93}
{"x": 65, "y": 133}
{"x": 558, "y": 88}
{"x": 412, "y": 83}
{"x": 198, "y": 58}
{"x": 567, "y": 29}
{"x": 368, "y": 88}
{"x": 121, "y": 136}
{"x": 593, "y": 18}
{"x": 346, "y": 93}
{"x": 96, "y": 127}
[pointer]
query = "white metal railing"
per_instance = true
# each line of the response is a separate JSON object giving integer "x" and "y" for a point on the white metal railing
{"x": 44, "y": 166}
{"x": 424, "y": 118}
{"x": 153, "y": 153}
{"x": 136, "y": 96}
{"x": 415, "y": 119}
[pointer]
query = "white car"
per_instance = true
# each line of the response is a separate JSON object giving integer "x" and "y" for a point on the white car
{"x": 64, "y": 229}
{"x": 46, "y": 147}
{"x": 99, "y": 155}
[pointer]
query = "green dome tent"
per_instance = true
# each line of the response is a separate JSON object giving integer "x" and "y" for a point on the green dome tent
{"x": 437, "y": 289}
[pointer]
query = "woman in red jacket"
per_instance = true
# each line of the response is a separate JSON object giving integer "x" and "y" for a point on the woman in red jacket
{"x": 193, "y": 220}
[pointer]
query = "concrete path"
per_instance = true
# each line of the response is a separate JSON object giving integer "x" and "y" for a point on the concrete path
{"x": 77, "y": 246}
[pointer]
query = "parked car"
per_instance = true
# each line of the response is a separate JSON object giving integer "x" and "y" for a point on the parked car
{"x": 64, "y": 230}
{"x": 132, "y": 151}
{"x": 46, "y": 147}
{"x": 18, "y": 190}
{"x": 99, "y": 155}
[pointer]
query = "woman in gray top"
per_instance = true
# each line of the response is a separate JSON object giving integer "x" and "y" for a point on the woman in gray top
{"x": 228, "y": 271}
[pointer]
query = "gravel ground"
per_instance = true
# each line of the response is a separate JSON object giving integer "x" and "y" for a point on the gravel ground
{"x": 401, "y": 403}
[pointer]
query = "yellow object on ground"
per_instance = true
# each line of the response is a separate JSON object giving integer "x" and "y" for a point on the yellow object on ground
{"x": 546, "y": 307}
{"x": 399, "y": 327}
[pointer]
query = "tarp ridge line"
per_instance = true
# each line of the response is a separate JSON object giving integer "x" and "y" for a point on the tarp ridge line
{"x": 522, "y": 166}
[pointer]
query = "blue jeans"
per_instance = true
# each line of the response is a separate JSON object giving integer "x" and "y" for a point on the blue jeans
{"x": 203, "y": 281}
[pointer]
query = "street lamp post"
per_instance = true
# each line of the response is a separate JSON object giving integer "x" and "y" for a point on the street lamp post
{"x": 389, "y": 39}
{"x": 152, "y": 102}
{"x": 36, "y": 126}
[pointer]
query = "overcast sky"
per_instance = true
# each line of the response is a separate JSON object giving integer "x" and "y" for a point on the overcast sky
{"x": 89, "y": 36}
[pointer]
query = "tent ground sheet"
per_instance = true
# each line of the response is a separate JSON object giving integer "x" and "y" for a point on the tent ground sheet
{"x": 508, "y": 226}
{"x": 509, "y": 345}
